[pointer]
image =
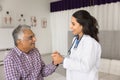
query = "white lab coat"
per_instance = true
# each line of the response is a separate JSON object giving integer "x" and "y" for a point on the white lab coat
{"x": 83, "y": 62}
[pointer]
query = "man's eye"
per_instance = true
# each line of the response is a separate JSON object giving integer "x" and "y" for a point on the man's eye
{"x": 30, "y": 38}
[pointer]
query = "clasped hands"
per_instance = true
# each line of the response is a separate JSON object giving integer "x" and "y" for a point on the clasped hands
{"x": 57, "y": 58}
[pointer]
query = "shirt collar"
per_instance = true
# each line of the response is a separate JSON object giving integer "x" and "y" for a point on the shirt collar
{"x": 19, "y": 52}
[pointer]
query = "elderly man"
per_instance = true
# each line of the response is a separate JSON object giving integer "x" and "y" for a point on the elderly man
{"x": 24, "y": 61}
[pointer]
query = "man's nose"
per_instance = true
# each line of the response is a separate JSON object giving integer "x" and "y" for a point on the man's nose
{"x": 34, "y": 39}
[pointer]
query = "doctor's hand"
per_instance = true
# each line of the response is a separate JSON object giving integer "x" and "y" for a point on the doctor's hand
{"x": 57, "y": 58}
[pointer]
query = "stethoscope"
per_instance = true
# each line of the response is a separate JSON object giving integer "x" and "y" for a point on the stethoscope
{"x": 76, "y": 42}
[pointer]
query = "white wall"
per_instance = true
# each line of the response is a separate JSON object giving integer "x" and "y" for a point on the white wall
{"x": 59, "y": 25}
{"x": 38, "y": 8}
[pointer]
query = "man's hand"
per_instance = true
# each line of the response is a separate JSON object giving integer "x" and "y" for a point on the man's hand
{"x": 57, "y": 58}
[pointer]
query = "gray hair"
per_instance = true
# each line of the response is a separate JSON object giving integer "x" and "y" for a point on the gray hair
{"x": 18, "y": 32}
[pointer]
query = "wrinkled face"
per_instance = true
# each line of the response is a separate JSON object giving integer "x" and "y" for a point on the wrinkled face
{"x": 28, "y": 41}
{"x": 76, "y": 27}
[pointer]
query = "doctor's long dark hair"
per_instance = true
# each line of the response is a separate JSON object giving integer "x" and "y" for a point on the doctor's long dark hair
{"x": 88, "y": 22}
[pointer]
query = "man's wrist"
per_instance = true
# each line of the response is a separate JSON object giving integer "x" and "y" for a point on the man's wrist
{"x": 55, "y": 64}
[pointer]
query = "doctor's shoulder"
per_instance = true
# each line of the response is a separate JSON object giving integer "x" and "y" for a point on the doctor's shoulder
{"x": 89, "y": 39}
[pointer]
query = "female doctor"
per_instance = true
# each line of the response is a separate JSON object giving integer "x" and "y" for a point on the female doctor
{"x": 85, "y": 52}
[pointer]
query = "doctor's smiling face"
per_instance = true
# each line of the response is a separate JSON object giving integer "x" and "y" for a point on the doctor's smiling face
{"x": 77, "y": 29}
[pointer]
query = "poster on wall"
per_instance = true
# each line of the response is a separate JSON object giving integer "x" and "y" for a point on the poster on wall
{"x": 44, "y": 23}
{"x": 33, "y": 20}
{"x": 21, "y": 20}
{"x": 6, "y": 20}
